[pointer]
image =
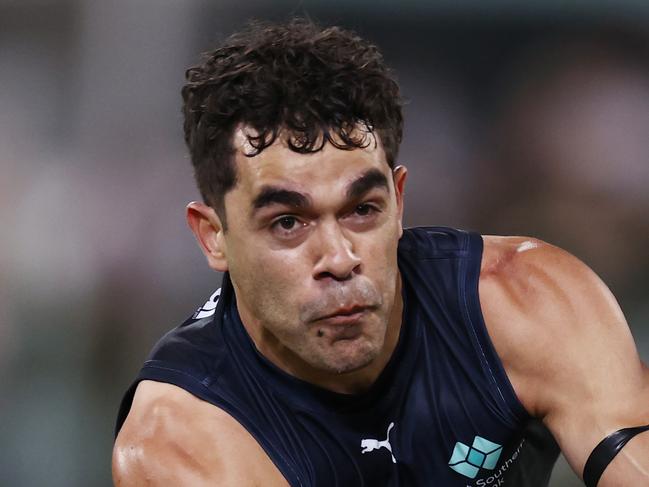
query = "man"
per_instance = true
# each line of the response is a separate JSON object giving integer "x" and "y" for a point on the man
{"x": 343, "y": 350}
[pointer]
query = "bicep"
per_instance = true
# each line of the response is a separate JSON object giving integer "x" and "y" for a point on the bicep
{"x": 630, "y": 466}
{"x": 600, "y": 385}
{"x": 584, "y": 420}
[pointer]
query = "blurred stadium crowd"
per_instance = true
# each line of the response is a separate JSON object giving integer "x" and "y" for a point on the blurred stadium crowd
{"x": 529, "y": 121}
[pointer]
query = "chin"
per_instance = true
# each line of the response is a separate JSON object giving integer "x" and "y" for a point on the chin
{"x": 349, "y": 358}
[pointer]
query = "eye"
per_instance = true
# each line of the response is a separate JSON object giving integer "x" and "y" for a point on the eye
{"x": 287, "y": 227}
{"x": 287, "y": 222}
{"x": 364, "y": 215}
{"x": 364, "y": 209}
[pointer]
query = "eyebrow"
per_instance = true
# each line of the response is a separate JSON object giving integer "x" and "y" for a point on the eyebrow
{"x": 270, "y": 195}
{"x": 372, "y": 178}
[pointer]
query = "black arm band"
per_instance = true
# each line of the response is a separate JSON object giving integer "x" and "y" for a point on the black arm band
{"x": 605, "y": 452}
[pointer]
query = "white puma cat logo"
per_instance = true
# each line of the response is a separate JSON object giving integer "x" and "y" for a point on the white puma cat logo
{"x": 371, "y": 444}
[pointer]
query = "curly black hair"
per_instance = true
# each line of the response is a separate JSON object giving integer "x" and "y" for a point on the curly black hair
{"x": 315, "y": 85}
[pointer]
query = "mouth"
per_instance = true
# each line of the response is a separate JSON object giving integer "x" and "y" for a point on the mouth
{"x": 344, "y": 316}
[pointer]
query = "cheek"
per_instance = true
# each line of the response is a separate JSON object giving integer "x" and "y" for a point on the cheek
{"x": 381, "y": 252}
{"x": 382, "y": 268}
{"x": 272, "y": 280}
{"x": 278, "y": 268}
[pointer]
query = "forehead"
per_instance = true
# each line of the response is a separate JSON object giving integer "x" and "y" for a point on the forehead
{"x": 329, "y": 169}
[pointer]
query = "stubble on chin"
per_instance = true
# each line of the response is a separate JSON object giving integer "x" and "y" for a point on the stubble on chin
{"x": 344, "y": 355}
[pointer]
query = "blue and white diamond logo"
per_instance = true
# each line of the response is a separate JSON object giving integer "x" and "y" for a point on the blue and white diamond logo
{"x": 468, "y": 460}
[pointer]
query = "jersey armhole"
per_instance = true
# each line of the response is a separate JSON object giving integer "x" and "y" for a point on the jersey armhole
{"x": 469, "y": 294}
{"x": 160, "y": 372}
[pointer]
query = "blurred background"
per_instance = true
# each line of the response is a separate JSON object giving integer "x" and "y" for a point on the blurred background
{"x": 527, "y": 118}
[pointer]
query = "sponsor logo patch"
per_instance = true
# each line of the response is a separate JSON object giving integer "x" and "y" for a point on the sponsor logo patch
{"x": 468, "y": 460}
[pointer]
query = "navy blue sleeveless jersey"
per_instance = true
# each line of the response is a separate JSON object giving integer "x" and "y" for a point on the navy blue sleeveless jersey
{"x": 442, "y": 413}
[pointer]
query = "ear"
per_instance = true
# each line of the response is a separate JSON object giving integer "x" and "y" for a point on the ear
{"x": 208, "y": 230}
{"x": 399, "y": 175}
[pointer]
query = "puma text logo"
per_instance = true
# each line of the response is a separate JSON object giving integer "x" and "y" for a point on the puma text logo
{"x": 371, "y": 444}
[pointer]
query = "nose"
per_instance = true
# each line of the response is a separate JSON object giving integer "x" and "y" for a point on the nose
{"x": 336, "y": 257}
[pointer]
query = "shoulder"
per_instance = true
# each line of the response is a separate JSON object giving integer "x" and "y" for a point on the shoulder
{"x": 538, "y": 281}
{"x": 553, "y": 322}
{"x": 516, "y": 257}
{"x": 173, "y": 438}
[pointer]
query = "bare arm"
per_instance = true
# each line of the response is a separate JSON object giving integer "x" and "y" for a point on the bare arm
{"x": 173, "y": 438}
{"x": 568, "y": 351}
